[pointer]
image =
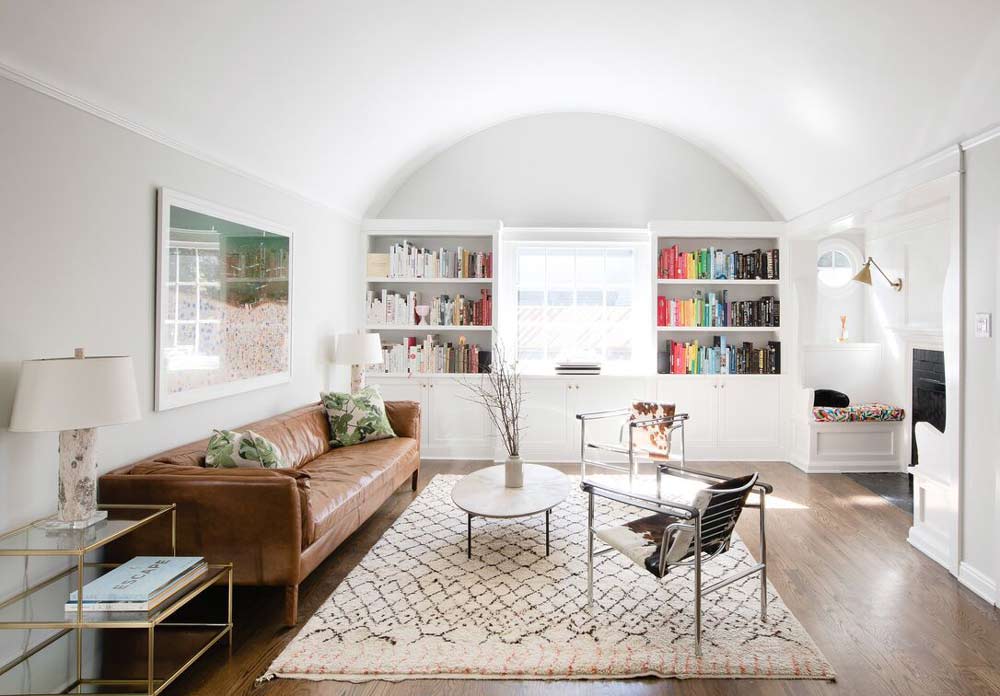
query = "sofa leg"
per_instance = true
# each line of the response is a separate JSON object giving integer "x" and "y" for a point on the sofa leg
{"x": 291, "y": 605}
{"x": 413, "y": 480}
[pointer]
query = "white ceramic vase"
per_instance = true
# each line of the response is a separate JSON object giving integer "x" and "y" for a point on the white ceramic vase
{"x": 513, "y": 472}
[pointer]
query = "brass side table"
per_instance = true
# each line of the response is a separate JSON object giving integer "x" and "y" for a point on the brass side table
{"x": 49, "y": 597}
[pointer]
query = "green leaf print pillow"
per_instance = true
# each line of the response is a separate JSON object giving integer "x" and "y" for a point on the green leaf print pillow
{"x": 228, "y": 449}
{"x": 356, "y": 418}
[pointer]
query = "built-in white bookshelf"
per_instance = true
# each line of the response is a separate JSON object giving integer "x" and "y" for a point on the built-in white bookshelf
{"x": 475, "y": 236}
{"x": 740, "y": 237}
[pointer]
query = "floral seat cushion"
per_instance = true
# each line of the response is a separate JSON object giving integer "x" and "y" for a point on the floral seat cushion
{"x": 874, "y": 411}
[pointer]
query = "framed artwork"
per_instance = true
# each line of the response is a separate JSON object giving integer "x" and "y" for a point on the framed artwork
{"x": 223, "y": 301}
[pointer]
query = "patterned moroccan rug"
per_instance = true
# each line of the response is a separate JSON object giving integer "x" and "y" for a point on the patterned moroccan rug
{"x": 417, "y": 608}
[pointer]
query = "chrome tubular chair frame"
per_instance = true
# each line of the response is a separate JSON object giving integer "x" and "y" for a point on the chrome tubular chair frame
{"x": 676, "y": 423}
{"x": 701, "y": 524}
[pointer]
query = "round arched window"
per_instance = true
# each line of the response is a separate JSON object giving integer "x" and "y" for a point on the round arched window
{"x": 835, "y": 268}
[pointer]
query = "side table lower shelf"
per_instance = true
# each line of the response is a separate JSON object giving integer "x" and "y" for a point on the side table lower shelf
{"x": 52, "y": 596}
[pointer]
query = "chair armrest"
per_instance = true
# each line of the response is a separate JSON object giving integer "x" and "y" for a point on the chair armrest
{"x": 645, "y": 502}
{"x": 254, "y": 521}
{"x": 596, "y": 415}
{"x": 404, "y": 417}
{"x": 676, "y": 418}
{"x": 706, "y": 476}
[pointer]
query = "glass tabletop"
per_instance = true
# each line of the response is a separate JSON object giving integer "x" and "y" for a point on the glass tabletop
{"x": 36, "y": 540}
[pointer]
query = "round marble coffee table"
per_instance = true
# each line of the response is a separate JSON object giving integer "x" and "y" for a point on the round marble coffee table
{"x": 483, "y": 494}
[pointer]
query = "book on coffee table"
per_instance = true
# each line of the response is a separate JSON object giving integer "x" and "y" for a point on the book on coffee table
{"x": 138, "y": 585}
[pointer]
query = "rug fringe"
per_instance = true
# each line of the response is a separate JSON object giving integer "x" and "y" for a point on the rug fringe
{"x": 266, "y": 677}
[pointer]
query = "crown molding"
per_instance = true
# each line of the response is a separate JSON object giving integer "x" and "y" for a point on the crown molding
{"x": 980, "y": 138}
{"x": 817, "y": 221}
{"x": 25, "y": 80}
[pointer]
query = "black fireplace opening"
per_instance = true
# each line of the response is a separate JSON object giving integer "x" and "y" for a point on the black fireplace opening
{"x": 928, "y": 394}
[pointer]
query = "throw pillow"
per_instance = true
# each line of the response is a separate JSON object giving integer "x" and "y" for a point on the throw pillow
{"x": 356, "y": 418}
{"x": 830, "y": 397}
{"x": 228, "y": 449}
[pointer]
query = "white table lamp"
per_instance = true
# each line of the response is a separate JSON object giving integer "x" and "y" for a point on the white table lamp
{"x": 359, "y": 350}
{"x": 75, "y": 396}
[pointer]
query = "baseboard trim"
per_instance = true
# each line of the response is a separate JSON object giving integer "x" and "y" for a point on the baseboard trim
{"x": 849, "y": 467}
{"x": 978, "y": 581}
{"x": 930, "y": 546}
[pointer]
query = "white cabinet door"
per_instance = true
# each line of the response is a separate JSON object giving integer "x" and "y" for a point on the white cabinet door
{"x": 605, "y": 394}
{"x": 547, "y": 435}
{"x": 749, "y": 411}
{"x": 699, "y": 398}
{"x": 458, "y": 427}
{"x": 393, "y": 389}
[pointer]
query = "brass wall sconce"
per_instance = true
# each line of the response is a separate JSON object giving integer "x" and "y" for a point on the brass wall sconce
{"x": 865, "y": 275}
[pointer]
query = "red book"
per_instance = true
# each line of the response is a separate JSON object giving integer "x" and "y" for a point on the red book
{"x": 661, "y": 310}
{"x": 673, "y": 261}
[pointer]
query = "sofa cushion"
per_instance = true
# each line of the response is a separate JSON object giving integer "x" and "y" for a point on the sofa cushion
{"x": 344, "y": 478}
{"x": 859, "y": 413}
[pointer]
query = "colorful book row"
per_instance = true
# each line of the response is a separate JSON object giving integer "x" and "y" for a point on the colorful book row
{"x": 716, "y": 264}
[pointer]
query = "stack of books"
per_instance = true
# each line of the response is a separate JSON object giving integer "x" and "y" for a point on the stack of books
{"x": 139, "y": 585}
{"x": 574, "y": 369}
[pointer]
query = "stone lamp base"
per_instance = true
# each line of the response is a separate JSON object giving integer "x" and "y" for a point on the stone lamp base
{"x": 357, "y": 378}
{"x": 77, "y": 481}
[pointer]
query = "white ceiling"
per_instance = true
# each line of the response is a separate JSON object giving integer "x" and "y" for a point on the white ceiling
{"x": 338, "y": 100}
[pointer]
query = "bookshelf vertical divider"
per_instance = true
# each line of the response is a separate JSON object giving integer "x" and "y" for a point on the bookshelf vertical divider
{"x": 474, "y": 235}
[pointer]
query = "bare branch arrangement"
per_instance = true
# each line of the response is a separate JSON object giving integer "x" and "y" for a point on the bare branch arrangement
{"x": 503, "y": 398}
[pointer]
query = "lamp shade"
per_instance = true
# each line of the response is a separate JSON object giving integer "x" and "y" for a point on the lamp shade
{"x": 74, "y": 393}
{"x": 358, "y": 349}
{"x": 865, "y": 274}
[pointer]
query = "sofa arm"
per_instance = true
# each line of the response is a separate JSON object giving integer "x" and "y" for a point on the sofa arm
{"x": 404, "y": 417}
{"x": 253, "y": 521}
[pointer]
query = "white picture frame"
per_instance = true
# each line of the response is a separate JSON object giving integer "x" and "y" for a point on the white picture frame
{"x": 185, "y": 376}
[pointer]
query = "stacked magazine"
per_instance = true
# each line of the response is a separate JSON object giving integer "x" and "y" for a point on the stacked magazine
{"x": 139, "y": 585}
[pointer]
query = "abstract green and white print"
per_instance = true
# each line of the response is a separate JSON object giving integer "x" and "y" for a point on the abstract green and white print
{"x": 228, "y": 449}
{"x": 356, "y": 418}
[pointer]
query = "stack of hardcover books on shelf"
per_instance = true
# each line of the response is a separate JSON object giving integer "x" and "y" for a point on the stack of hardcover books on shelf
{"x": 575, "y": 369}
{"x": 139, "y": 585}
{"x": 408, "y": 261}
{"x": 720, "y": 358}
{"x": 717, "y": 264}
{"x": 715, "y": 309}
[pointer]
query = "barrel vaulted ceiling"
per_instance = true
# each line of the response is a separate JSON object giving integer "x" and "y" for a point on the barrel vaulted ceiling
{"x": 338, "y": 100}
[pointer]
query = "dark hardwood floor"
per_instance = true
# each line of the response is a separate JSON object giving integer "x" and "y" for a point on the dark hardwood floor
{"x": 890, "y": 620}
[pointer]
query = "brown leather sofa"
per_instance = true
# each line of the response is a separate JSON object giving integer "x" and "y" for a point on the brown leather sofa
{"x": 274, "y": 525}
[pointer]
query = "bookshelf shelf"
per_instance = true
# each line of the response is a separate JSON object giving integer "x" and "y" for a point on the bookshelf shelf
{"x": 718, "y": 329}
{"x": 693, "y": 281}
{"x": 427, "y": 328}
{"x": 437, "y": 281}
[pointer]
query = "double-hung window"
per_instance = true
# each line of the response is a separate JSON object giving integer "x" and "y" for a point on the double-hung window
{"x": 577, "y": 301}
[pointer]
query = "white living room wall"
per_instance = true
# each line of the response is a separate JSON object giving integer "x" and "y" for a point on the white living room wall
{"x": 574, "y": 170}
{"x": 981, "y": 476}
{"x": 77, "y": 269}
